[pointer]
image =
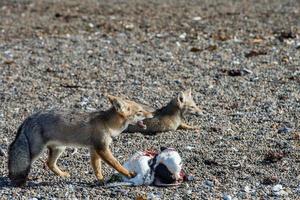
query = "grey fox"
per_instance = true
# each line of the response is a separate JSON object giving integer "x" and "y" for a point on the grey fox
{"x": 169, "y": 117}
{"x": 56, "y": 130}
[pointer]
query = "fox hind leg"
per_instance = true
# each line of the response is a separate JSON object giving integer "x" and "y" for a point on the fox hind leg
{"x": 54, "y": 154}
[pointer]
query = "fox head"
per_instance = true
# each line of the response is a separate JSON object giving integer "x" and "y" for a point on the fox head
{"x": 186, "y": 103}
{"x": 131, "y": 111}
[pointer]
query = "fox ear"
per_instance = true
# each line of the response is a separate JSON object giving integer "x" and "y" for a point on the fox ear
{"x": 111, "y": 98}
{"x": 188, "y": 92}
{"x": 181, "y": 98}
{"x": 119, "y": 105}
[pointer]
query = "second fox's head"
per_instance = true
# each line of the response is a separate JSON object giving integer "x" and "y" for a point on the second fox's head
{"x": 186, "y": 103}
{"x": 131, "y": 111}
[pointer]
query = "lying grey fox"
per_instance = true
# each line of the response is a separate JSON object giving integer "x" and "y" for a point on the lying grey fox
{"x": 170, "y": 117}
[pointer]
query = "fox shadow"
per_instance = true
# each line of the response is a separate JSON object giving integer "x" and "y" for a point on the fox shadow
{"x": 5, "y": 182}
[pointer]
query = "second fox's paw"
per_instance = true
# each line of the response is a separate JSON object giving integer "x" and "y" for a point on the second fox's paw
{"x": 196, "y": 128}
{"x": 65, "y": 174}
{"x": 193, "y": 128}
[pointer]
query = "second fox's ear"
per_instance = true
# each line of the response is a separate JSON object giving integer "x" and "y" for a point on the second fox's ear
{"x": 181, "y": 98}
{"x": 188, "y": 92}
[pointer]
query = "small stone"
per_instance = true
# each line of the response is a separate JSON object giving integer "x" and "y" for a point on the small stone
{"x": 129, "y": 26}
{"x": 159, "y": 35}
{"x": 8, "y": 54}
{"x": 141, "y": 197}
{"x": 211, "y": 48}
{"x": 195, "y": 49}
{"x": 152, "y": 196}
{"x": 182, "y": 36}
{"x": 2, "y": 152}
{"x": 90, "y": 52}
{"x": 254, "y": 53}
{"x": 9, "y": 62}
{"x": 247, "y": 189}
{"x": 190, "y": 178}
{"x": 257, "y": 40}
{"x": 197, "y": 18}
{"x": 296, "y": 136}
{"x": 277, "y": 188}
{"x": 270, "y": 180}
{"x": 283, "y": 193}
{"x": 188, "y": 192}
{"x": 247, "y": 71}
{"x": 177, "y": 81}
{"x": 236, "y": 62}
{"x": 189, "y": 147}
{"x": 75, "y": 151}
{"x": 238, "y": 72}
{"x": 273, "y": 156}
{"x": 284, "y": 130}
{"x": 227, "y": 197}
{"x": 84, "y": 101}
{"x": 91, "y": 25}
{"x": 286, "y": 35}
{"x": 209, "y": 183}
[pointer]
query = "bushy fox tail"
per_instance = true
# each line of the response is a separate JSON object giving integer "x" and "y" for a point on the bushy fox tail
{"x": 19, "y": 159}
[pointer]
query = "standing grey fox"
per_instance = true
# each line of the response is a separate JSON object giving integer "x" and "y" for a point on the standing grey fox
{"x": 56, "y": 130}
{"x": 169, "y": 117}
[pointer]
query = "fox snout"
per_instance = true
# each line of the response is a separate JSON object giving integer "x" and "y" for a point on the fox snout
{"x": 194, "y": 110}
{"x": 198, "y": 112}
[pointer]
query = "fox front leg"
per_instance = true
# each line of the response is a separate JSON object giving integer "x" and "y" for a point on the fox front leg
{"x": 96, "y": 164}
{"x": 108, "y": 157}
{"x": 185, "y": 126}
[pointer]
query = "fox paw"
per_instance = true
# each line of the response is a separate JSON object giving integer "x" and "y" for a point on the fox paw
{"x": 65, "y": 174}
{"x": 101, "y": 182}
{"x": 132, "y": 174}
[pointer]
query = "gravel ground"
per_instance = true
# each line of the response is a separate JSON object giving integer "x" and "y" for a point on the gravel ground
{"x": 241, "y": 59}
